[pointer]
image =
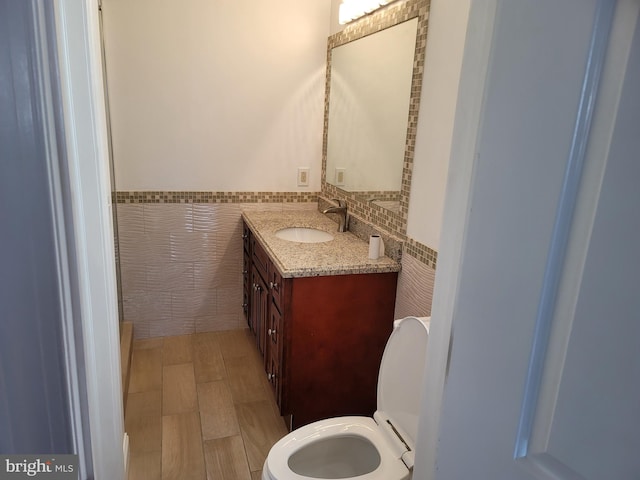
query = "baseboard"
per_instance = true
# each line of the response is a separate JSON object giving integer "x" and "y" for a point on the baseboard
{"x": 125, "y": 451}
{"x": 126, "y": 347}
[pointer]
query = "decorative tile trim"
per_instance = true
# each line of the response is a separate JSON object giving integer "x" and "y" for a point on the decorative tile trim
{"x": 380, "y": 195}
{"x": 215, "y": 197}
{"x": 370, "y": 212}
{"x": 393, "y": 223}
{"x": 421, "y": 252}
{"x": 395, "y": 245}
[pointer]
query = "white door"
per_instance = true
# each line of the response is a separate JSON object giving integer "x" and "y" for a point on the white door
{"x": 535, "y": 357}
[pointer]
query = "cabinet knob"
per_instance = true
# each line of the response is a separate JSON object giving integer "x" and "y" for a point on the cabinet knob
{"x": 244, "y": 305}
{"x": 271, "y": 376}
{"x": 273, "y": 285}
{"x": 244, "y": 235}
{"x": 271, "y": 332}
{"x": 244, "y": 272}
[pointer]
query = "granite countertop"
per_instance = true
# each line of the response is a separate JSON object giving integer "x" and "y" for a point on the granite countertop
{"x": 345, "y": 254}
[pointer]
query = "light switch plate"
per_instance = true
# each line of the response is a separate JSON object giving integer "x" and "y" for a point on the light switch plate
{"x": 303, "y": 176}
{"x": 339, "y": 177}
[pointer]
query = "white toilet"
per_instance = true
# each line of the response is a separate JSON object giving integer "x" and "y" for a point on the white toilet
{"x": 380, "y": 448}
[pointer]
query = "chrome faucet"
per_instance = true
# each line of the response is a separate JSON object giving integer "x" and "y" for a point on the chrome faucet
{"x": 341, "y": 209}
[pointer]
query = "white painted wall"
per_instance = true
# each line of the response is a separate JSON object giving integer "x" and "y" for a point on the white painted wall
{"x": 229, "y": 96}
{"x": 443, "y": 59}
{"x": 216, "y": 95}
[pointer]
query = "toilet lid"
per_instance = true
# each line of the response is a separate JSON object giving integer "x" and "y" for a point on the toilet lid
{"x": 400, "y": 378}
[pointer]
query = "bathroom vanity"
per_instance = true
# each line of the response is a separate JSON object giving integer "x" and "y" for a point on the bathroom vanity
{"x": 321, "y": 314}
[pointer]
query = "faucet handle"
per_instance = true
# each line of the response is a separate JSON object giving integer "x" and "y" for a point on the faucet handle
{"x": 341, "y": 203}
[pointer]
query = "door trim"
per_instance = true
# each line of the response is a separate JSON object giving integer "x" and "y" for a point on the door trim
{"x": 467, "y": 131}
{"x": 88, "y": 171}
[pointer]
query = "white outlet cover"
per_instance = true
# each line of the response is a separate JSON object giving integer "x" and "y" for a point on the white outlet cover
{"x": 339, "y": 177}
{"x": 303, "y": 176}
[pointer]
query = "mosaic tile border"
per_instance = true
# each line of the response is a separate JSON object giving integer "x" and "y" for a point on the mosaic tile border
{"x": 393, "y": 223}
{"x": 214, "y": 197}
{"x": 383, "y": 195}
{"x": 396, "y": 244}
{"x": 421, "y": 252}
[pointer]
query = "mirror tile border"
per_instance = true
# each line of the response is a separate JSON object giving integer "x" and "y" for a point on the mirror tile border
{"x": 393, "y": 223}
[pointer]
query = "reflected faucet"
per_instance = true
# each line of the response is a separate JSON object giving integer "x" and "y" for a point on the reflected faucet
{"x": 341, "y": 209}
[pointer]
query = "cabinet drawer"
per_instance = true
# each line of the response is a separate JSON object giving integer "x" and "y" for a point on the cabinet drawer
{"x": 260, "y": 258}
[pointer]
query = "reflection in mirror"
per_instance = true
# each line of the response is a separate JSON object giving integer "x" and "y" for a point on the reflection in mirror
{"x": 370, "y": 127}
{"x": 370, "y": 89}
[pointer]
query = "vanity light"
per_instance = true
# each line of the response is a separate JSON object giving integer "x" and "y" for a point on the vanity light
{"x": 353, "y": 9}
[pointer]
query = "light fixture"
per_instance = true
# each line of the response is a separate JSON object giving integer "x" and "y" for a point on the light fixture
{"x": 352, "y": 9}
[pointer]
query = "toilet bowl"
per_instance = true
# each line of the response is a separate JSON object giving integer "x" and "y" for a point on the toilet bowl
{"x": 378, "y": 448}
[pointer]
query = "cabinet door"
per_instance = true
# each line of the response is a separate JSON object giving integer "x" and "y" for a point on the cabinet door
{"x": 246, "y": 238}
{"x": 274, "y": 354}
{"x": 254, "y": 305}
{"x": 246, "y": 287}
{"x": 259, "y": 309}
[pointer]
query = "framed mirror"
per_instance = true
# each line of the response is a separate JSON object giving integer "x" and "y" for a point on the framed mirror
{"x": 373, "y": 86}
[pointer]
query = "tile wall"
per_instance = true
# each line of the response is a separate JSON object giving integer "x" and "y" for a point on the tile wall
{"x": 415, "y": 288}
{"x": 181, "y": 263}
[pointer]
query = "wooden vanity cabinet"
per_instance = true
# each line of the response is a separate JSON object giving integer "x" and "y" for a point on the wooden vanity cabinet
{"x": 321, "y": 338}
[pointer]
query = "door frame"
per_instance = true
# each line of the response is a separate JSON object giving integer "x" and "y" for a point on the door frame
{"x": 84, "y": 118}
{"x": 466, "y": 132}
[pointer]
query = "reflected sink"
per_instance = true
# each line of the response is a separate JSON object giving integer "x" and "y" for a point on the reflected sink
{"x": 304, "y": 235}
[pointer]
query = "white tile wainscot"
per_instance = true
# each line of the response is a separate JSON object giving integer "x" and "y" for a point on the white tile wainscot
{"x": 182, "y": 265}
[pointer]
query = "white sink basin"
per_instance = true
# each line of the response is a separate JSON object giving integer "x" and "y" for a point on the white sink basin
{"x": 304, "y": 235}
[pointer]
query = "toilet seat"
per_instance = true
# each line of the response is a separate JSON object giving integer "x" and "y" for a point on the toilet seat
{"x": 391, "y": 466}
{"x": 378, "y": 448}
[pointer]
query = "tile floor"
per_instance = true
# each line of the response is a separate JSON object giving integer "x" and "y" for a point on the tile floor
{"x": 199, "y": 407}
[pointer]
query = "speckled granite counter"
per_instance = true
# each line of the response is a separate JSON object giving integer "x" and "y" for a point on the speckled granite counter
{"x": 345, "y": 254}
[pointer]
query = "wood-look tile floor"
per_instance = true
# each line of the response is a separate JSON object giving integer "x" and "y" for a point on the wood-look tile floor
{"x": 199, "y": 407}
